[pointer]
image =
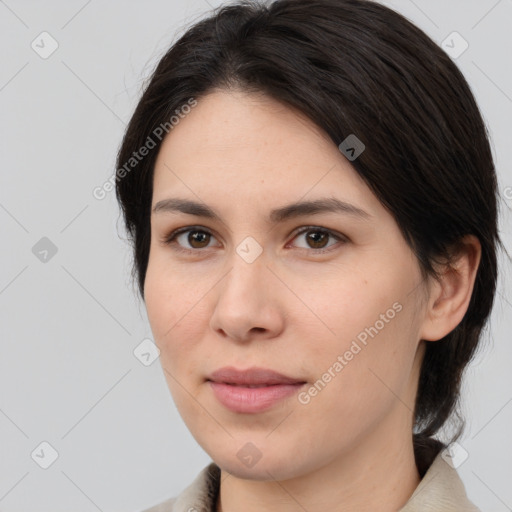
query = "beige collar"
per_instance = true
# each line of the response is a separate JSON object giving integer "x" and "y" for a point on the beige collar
{"x": 440, "y": 490}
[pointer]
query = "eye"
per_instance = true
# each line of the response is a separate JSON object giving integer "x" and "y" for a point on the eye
{"x": 193, "y": 239}
{"x": 196, "y": 238}
{"x": 317, "y": 238}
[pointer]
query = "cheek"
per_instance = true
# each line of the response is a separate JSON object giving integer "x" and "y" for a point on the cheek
{"x": 358, "y": 385}
{"x": 176, "y": 313}
{"x": 368, "y": 341}
{"x": 345, "y": 305}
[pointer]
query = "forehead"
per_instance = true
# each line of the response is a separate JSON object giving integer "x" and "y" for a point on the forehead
{"x": 249, "y": 147}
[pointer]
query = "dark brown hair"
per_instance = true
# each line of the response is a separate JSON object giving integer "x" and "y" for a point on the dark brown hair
{"x": 353, "y": 67}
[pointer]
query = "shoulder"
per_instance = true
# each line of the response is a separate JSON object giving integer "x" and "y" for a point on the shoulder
{"x": 199, "y": 496}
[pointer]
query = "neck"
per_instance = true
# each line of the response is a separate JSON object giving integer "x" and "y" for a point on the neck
{"x": 376, "y": 475}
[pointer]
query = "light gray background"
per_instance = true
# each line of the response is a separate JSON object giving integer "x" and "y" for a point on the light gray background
{"x": 68, "y": 327}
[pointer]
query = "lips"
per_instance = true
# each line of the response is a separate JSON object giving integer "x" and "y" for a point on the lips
{"x": 252, "y": 377}
{"x": 251, "y": 391}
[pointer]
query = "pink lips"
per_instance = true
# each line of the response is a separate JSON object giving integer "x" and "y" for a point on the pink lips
{"x": 252, "y": 390}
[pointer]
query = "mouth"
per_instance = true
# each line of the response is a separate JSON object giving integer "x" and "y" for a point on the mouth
{"x": 250, "y": 386}
{"x": 253, "y": 390}
{"x": 252, "y": 377}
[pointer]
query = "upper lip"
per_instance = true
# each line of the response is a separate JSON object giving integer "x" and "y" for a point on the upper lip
{"x": 251, "y": 376}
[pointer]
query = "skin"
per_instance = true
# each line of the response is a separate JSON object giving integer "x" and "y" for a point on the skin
{"x": 293, "y": 310}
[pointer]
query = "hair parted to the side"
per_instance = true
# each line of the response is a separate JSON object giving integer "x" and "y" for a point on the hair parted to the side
{"x": 353, "y": 67}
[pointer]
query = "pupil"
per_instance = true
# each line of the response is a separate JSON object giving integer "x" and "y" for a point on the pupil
{"x": 197, "y": 237}
{"x": 322, "y": 237}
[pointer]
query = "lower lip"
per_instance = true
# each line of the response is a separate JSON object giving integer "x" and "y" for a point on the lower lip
{"x": 251, "y": 400}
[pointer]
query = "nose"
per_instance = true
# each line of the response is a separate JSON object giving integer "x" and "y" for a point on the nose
{"x": 247, "y": 303}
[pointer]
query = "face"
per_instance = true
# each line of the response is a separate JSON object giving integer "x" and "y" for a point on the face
{"x": 331, "y": 298}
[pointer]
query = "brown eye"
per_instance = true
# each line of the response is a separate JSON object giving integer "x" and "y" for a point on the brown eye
{"x": 189, "y": 239}
{"x": 198, "y": 239}
{"x": 317, "y": 239}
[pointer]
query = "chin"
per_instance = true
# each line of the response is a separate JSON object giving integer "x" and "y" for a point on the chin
{"x": 246, "y": 461}
{"x": 261, "y": 471}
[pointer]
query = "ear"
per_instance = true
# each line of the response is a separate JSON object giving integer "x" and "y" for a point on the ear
{"x": 449, "y": 297}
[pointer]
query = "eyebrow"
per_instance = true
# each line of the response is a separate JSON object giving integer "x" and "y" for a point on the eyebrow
{"x": 290, "y": 211}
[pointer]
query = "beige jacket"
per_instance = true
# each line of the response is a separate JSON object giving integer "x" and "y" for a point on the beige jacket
{"x": 440, "y": 490}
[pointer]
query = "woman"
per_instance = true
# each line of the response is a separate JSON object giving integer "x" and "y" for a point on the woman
{"x": 312, "y": 205}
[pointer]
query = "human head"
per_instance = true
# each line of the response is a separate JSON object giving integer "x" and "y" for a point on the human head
{"x": 352, "y": 67}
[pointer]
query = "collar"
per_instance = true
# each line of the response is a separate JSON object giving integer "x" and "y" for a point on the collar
{"x": 440, "y": 490}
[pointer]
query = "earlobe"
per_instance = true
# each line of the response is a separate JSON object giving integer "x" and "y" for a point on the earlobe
{"x": 450, "y": 295}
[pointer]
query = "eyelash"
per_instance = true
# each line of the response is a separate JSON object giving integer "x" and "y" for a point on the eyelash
{"x": 171, "y": 238}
